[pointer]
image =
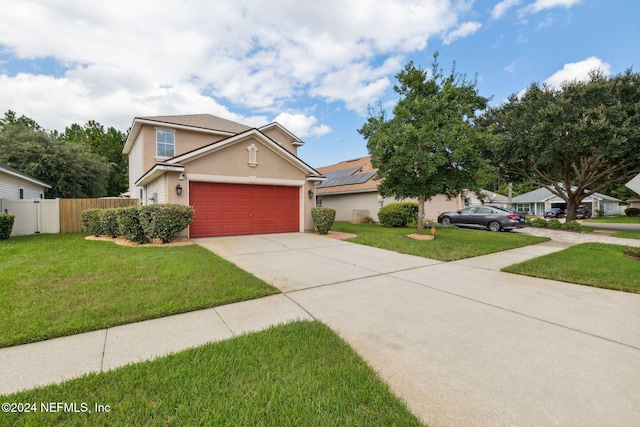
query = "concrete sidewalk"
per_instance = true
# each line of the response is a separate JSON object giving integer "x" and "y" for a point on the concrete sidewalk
{"x": 461, "y": 342}
{"x": 56, "y": 360}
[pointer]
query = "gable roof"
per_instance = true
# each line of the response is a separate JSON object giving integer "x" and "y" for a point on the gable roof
{"x": 542, "y": 195}
{"x": 176, "y": 164}
{"x": 16, "y": 173}
{"x": 206, "y": 123}
{"x": 348, "y": 176}
{"x": 634, "y": 184}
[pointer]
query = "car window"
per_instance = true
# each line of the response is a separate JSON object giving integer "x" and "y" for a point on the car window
{"x": 468, "y": 210}
{"x": 484, "y": 211}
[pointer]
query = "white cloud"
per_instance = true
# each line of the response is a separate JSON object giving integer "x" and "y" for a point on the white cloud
{"x": 122, "y": 59}
{"x": 577, "y": 71}
{"x": 501, "y": 8}
{"x": 301, "y": 125}
{"x": 540, "y": 5}
{"x": 464, "y": 30}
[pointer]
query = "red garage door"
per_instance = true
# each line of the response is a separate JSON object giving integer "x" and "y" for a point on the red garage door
{"x": 234, "y": 209}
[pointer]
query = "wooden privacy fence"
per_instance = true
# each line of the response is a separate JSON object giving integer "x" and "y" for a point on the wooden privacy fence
{"x": 71, "y": 210}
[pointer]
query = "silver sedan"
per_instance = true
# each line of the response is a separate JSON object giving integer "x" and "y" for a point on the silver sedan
{"x": 490, "y": 217}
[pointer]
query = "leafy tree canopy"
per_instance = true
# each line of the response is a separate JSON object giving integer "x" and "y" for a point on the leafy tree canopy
{"x": 430, "y": 145}
{"x": 72, "y": 170}
{"x": 576, "y": 140}
{"x": 108, "y": 144}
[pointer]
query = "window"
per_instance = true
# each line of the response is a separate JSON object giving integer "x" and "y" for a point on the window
{"x": 21, "y": 193}
{"x": 165, "y": 143}
{"x": 319, "y": 201}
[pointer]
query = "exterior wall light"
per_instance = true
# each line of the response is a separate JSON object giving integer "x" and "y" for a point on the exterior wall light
{"x": 310, "y": 193}
{"x": 179, "y": 190}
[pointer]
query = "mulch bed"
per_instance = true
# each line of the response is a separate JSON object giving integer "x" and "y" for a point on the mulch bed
{"x": 178, "y": 241}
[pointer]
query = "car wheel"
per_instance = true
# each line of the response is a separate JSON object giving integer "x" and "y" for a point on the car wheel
{"x": 494, "y": 226}
{"x": 446, "y": 221}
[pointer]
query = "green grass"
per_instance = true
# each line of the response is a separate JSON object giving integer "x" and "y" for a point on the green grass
{"x": 53, "y": 285}
{"x": 627, "y": 234}
{"x": 299, "y": 374}
{"x": 592, "y": 264}
{"x": 451, "y": 243}
{"x": 620, "y": 219}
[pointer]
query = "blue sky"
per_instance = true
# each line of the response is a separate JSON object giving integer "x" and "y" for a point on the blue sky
{"x": 314, "y": 67}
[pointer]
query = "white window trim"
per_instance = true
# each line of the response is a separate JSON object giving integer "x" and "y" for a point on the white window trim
{"x": 174, "y": 143}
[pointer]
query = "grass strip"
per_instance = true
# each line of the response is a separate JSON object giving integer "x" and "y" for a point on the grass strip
{"x": 451, "y": 243}
{"x": 593, "y": 264}
{"x": 54, "y": 285}
{"x": 620, "y": 219}
{"x": 299, "y": 374}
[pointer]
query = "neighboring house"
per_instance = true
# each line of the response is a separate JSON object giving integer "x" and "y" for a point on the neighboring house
{"x": 239, "y": 179}
{"x": 17, "y": 185}
{"x": 486, "y": 198}
{"x": 350, "y": 186}
{"x": 536, "y": 202}
{"x": 634, "y": 185}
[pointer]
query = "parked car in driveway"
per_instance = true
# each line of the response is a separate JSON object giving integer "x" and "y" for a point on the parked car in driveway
{"x": 554, "y": 213}
{"x": 583, "y": 212}
{"x": 490, "y": 217}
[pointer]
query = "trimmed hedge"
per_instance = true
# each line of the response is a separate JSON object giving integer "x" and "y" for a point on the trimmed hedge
{"x": 139, "y": 223}
{"x": 632, "y": 212}
{"x": 92, "y": 221}
{"x": 6, "y": 225}
{"x": 323, "y": 219}
{"x": 398, "y": 214}
{"x": 165, "y": 221}
{"x": 129, "y": 224}
{"x": 109, "y": 221}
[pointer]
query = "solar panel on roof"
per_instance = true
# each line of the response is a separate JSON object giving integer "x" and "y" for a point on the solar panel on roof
{"x": 347, "y": 180}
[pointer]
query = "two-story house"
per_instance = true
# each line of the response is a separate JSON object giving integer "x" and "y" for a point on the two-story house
{"x": 239, "y": 179}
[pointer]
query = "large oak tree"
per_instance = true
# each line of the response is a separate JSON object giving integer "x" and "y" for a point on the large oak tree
{"x": 430, "y": 145}
{"x": 575, "y": 140}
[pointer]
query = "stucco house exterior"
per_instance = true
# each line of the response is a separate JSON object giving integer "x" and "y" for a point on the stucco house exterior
{"x": 536, "y": 202}
{"x": 350, "y": 186}
{"x": 17, "y": 185}
{"x": 239, "y": 179}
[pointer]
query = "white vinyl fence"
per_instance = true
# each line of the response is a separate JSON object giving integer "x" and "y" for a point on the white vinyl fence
{"x": 33, "y": 216}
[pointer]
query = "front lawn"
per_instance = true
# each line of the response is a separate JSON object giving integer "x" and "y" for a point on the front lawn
{"x": 593, "y": 264}
{"x": 451, "y": 243}
{"x": 53, "y": 285}
{"x": 299, "y": 374}
{"x": 620, "y": 219}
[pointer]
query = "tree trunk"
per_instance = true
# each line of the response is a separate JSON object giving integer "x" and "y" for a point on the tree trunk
{"x": 571, "y": 209}
{"x": 421, "y": 200}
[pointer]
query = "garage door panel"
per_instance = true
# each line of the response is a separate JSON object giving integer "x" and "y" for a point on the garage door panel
{"x": 236, "y": 209}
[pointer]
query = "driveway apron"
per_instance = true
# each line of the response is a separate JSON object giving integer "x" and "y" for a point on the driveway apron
{"x": 461, "y": 342}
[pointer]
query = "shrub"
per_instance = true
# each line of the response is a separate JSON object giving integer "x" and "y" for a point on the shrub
{"x": 92, "y": 221}
{"x": 632, "y": 212}
{"x": 554, "y": 223}
{"x": 165, "y": 221}
{"x": 572, "y": 225}
{"x": 109, "y": 222}
{"x": 129, "y": 224}
{"x": 537, "y": 222}
{"x": 632, "y": 253}
{"x": 6, "y": 225}
{"x": 323, "y": 219}
{"x": 398, "y": 214}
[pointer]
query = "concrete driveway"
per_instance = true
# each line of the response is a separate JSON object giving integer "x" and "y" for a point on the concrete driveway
{"x": 462, "y": 343}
